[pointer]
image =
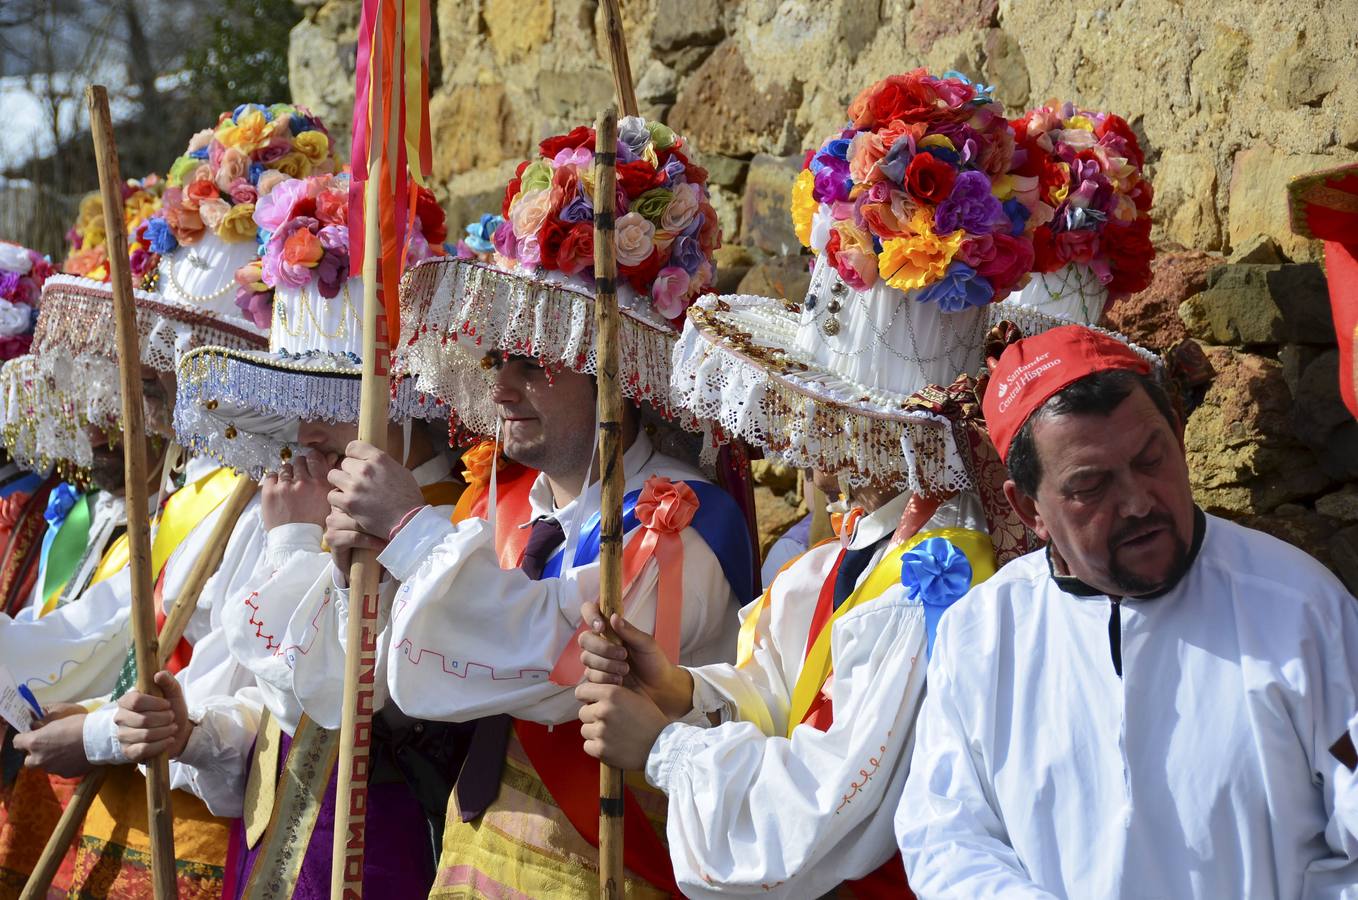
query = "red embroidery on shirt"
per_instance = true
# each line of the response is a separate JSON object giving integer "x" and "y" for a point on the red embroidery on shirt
{"x": 865, "y": 774}
{"x": 259, "y": 625}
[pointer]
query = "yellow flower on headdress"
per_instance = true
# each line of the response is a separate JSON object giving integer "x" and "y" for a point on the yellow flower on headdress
{"x": 919, "y": 259}
{"x": 294, "y": 164}
{"x": 314, "y": 145}
{"x": 250, "y": 132}
{"x": 239, "y": 224}
{"x": 804, "y": 206}
{"x": 1079, "y": 122}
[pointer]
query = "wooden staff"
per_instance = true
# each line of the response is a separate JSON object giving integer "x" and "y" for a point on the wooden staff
{"x": 160, "y": 819}
{"x": 617, "y": 54}
{"x": 606, "y": 322}
{"x": 360, "y": 651}
{"x": 170, "y": 633}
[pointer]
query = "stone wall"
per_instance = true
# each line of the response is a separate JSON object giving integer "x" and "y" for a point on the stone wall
{"x": 1231, "y": 99}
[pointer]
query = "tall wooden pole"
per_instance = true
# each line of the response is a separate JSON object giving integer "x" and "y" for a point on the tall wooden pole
{"x": 160, "y": 820}
{"x": 606, "y": 321}
{"x": 176, "y": 620}
{"x": 360, "y": 659}
{"x": 617, "y": 54}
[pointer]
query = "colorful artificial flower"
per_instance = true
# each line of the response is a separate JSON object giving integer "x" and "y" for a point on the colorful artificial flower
{"x": 478, "y": 244}
{"x": 918, "y": 176}
{"x": 1084, "y": 169}
{"x": 22, "y": 273}
{"x": 665, "y": 229}
{"x": 303, "y": 225}
{"x": 228, "y": 169}
{"x": 88, "y": 255}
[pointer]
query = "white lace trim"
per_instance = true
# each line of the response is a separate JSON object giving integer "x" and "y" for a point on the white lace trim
{"x": 242, "y": 409}
{"x": 732, "y": 366}
{"x": 455, "y": 312}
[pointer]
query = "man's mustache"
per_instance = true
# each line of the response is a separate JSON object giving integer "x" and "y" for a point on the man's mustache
{"x": 1136, "y": 527}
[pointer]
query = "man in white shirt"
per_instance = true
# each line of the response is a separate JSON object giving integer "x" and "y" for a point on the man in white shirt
{"x": 1145, "y": 708}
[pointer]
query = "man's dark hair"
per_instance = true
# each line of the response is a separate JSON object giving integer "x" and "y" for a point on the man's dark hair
{"x": 1097, "y": 394}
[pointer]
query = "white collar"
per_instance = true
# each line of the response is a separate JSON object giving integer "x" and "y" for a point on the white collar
{"x": 634, "y": 459}
{"x": 879, "y": 523}
{"x": 437, "y": 468}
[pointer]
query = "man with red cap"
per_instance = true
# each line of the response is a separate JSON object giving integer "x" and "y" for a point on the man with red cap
{"x": 1144, "y": 708}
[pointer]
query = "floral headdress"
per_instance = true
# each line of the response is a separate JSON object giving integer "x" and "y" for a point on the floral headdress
{"x": 665, "y": 227}
{"x": 22, "y": 273}
{"x": 535, "y": 298}
{"x": 304, "y": 232}
{"x": 1081, "y": 172}
{"x": 88, "y": 256}
{"x": 915, "y": 192}
{"x": 242, "y": 406}
{"x": 215, "y": 185}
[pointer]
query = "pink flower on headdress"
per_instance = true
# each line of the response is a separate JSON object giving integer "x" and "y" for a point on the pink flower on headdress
{"x": 669, "y": 292}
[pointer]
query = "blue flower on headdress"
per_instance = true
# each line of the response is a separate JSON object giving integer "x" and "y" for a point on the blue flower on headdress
{"x": 299, "y": 124}
{"x": 479, "y": 233}
{"x": 246, "y": 107}
{"x": 160, "y": 235}
{"x": 959, "y": 288}
{"x": 256, "y": 170}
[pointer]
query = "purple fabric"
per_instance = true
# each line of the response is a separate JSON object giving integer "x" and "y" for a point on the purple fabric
{"x": 398, "y": 862}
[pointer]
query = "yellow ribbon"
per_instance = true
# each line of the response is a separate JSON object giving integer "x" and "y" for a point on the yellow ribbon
{"x": 818, "y": 665}
{"x": 185, "y": 509}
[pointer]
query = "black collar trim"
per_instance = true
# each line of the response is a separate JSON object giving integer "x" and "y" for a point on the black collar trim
{"x": 1069, "y": 584}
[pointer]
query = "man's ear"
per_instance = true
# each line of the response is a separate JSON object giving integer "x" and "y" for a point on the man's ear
{"x": 1026, "y": 507}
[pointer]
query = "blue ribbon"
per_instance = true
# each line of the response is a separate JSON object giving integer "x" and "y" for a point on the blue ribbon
{"x": 936, "y": 574}
{"x": 718, "y": 521}
{"x": 28, "y": 483}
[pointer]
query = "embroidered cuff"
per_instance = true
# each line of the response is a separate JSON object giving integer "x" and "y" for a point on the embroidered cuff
{"x": 677, "y": 743}
{"x": 414, "y": 543}
{"x": 282, "y": 541}
{"x": 100, "y": 737}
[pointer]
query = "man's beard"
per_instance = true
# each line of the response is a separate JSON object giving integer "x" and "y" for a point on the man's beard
{"x": 1132, "y": 584}
{"x": 108, "y": 469}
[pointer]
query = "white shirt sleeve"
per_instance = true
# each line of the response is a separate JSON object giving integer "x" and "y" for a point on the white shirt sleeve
{"x": 470, "y": 639}
{"x": 216, "y": 760}
{"x": 100, "y": 736}
{"x": 751, "y": 814}
{"x": 257, "y": 616}
{"x": 1346, "y": 800}
{"x": 74, "y": 651}
{"x": 952, "y": 841}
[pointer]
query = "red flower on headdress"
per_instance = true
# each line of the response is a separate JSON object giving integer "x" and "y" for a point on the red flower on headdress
{"x": 638, "y": 177}
{"x": 580, "y": 136}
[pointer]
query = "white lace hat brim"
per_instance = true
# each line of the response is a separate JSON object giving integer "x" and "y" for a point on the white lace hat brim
{"x": 455, "y": 313}
{"x": 242, "y": 408}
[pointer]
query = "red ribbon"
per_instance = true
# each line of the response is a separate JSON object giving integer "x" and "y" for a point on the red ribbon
{"x": 664, "y": 509}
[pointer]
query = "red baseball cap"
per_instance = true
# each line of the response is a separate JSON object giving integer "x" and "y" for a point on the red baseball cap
{"x": 1031, "y": 371}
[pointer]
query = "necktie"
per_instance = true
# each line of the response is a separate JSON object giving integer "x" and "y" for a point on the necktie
{"x": 855, "y": 561}
{"x": 478, "y": 784}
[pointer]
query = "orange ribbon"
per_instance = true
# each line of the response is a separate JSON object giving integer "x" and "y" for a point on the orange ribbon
{"x": 664, "y": 509}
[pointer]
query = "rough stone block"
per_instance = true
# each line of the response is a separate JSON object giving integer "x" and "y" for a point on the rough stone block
{"x": 1253, "y": 304}
{"x": 474, "y": 126}
{"x": 1341, "y": 505}
{"x": 768, "y": 198}
{"x": 1151, "y": 317}
{"x": 722, "y": 109}
{"x": 786, "y": 277}
{"x": 686, "y": 23}
{"x": 516, "y": 27}
{"x": 1258, "y": 195}
{"x": 1186, "y": 199}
